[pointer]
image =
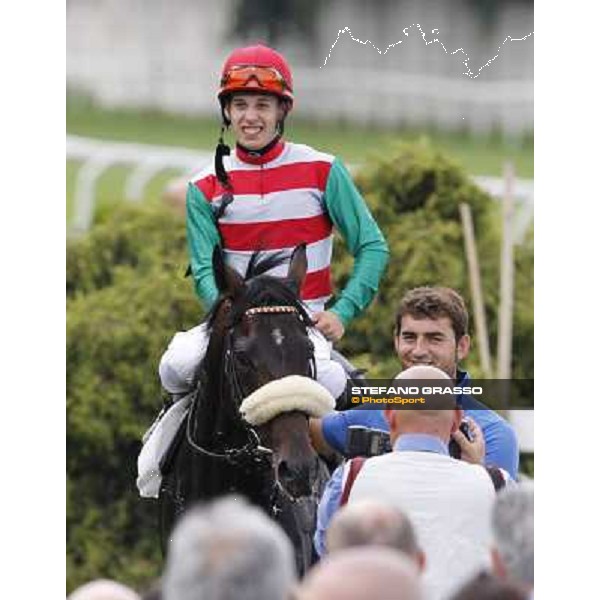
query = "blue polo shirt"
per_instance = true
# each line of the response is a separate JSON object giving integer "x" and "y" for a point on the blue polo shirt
{"x": 501, "y": 446}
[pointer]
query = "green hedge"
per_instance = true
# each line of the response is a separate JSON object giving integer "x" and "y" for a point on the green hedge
{"x": 126, "y": 296}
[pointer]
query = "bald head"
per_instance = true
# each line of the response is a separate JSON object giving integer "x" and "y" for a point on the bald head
{"x": 440, "y": 421}
{"x": 423, "y": 372}
{"x": 371, "y": 523}
{"x": 103, "y": 589}
{"x": 362, "y": 573}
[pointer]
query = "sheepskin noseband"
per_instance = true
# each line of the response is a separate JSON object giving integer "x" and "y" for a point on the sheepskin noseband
{"x": 293, "y": 392}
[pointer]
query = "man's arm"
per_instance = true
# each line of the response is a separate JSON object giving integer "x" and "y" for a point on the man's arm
{"x": 202, "y": 236}
{"x": 351, "y": 216}
{"x": 329, "y": 503}
{"x": 317, "y": 439}
{"x": 334, "y": 426}
{"x": 501, "y": 445}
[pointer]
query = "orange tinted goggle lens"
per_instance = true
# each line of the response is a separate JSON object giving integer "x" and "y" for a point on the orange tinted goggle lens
{"x": 263, "y": 77}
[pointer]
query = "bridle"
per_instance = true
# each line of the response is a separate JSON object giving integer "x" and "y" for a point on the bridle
{"x": 253, "y": 452}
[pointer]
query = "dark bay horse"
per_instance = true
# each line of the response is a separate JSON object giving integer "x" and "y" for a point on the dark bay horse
{"x": 258, "y": 333}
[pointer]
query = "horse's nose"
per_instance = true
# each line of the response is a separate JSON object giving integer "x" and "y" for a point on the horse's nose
{"x": 295, "y": 478}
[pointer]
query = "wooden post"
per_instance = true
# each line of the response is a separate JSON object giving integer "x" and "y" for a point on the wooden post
{"x": 483, "y": 341}
{"x": 505, "y": 316}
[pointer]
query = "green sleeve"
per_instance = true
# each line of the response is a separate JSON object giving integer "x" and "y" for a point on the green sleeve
{"x": 351, "y": 216}
{"x": 202, "y": 237}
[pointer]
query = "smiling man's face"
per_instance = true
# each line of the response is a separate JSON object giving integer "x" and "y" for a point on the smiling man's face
{"x": 430, "y": 342}
{"x": 254, "y": 119}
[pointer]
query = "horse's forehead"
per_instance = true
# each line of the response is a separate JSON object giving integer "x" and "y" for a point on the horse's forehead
{"x": 278, "y": 327}
{"x": 284, "y": 337}
{"x": 278, "y": 336}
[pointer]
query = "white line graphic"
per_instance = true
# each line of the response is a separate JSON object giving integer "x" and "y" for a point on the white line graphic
{"x": 468, "y": 71}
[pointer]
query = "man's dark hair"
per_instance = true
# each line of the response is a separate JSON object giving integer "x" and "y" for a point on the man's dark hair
{"x": 487, "y": 587}
{"x": 434, "y": 303}
{"x": 154, "y": 592}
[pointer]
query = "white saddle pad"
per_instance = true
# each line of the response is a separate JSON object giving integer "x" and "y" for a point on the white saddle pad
{"x": 157, "y": 440}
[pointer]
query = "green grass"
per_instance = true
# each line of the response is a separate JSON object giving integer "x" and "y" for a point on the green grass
{"x": 353, "y": 143}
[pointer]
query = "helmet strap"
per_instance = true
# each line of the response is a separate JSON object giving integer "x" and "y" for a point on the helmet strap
{"x": 226, "y": 121}
{"x": 222, "y": 150}
{"x": 281, "y": 123}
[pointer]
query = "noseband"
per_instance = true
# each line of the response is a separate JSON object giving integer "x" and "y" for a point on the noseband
{"x": 253, "y": 451}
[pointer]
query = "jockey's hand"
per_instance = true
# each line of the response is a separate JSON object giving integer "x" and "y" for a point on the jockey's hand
{"x": 329, "y": 324}
{"x": 471, "y": 451}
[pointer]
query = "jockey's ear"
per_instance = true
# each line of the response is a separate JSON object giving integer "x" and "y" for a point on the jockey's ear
{"x": 298, "y": 267}
{"x": 228, "y": 280}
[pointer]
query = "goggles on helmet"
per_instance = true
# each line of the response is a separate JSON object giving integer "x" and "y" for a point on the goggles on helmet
{"x": 268, "y": 79}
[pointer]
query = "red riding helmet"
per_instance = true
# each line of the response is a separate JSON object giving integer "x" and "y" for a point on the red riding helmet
{"x": 256, "y": 68}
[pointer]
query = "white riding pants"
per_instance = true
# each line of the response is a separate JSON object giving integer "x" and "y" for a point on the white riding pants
{"x": 187, "y": 348}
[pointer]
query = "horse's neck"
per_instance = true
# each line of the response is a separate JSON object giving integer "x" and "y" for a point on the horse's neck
{"x": 218, "y": 413}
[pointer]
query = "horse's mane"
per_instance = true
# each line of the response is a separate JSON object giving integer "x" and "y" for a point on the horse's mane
{"x": 262, "y": 290}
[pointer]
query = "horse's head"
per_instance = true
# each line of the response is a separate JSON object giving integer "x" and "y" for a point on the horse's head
{"x": 259, "y": 335}
{"x": 260, "y": 323}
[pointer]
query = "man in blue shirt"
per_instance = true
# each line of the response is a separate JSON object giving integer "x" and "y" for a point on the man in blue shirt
{"x": 431, "y": 329}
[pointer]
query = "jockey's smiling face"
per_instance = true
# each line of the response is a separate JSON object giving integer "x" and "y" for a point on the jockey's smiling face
{"x": 254, "y": 119}
{"x": 430, "y": 342}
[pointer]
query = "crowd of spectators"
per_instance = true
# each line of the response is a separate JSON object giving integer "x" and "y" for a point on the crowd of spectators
{"x": 229, "y": 550}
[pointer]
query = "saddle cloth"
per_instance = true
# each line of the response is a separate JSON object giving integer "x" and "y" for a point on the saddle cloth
{"x": 156, "y": 442}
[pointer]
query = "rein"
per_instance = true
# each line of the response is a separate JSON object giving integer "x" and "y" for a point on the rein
{"x": 253, "y": 450}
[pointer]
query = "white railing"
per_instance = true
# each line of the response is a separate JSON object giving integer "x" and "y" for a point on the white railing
{"x": 98, "y": 155}
{"x": 148, "y": 160}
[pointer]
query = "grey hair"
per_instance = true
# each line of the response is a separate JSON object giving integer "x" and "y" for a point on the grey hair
{"x": 512, "y": 525}
{"x": 367, "y": 523}
{"x": 228, "y": 550}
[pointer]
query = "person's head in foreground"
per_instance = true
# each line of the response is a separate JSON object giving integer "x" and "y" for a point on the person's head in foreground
{"x": 366, "y": 573}
{"x": 103, "y": 589}
{"x": 512, "y": 528}
{"x": 228, "y": 550}
{"x": 371, "y": 523}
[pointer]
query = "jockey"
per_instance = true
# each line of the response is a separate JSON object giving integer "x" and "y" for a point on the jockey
{"x": 271, "y": 195}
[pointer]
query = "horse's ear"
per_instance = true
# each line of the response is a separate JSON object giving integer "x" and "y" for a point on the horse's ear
{"x": 229, "y": 281}
{"x": 298, "y": 266}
